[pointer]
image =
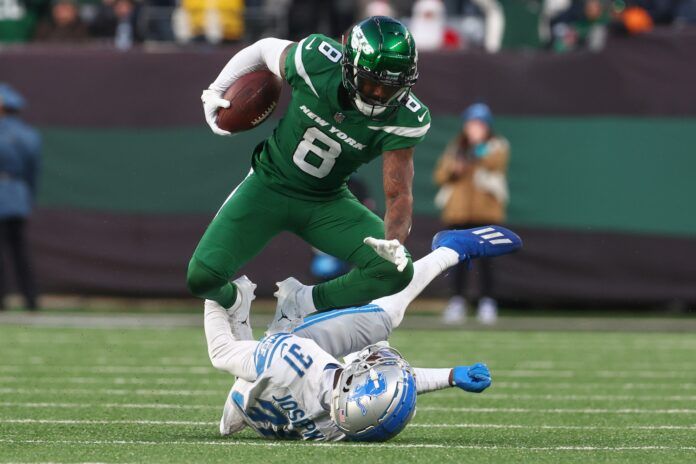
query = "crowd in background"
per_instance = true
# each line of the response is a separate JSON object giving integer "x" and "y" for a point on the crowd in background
{"x": 561, "y": 25}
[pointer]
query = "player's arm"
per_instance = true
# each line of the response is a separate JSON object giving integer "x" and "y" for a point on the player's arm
{"x": 398, "y": 182}
{"x": 225, "y": 351}
{"x": 397, "y": 170}
{"x": 269, "y": 53}
{"x": 474, "y": 378}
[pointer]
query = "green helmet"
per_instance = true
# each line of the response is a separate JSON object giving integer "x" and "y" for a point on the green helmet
{"x": 379, "y": 65}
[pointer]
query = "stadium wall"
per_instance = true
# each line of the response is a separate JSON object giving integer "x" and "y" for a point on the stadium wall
{"x": 600, "y": 176}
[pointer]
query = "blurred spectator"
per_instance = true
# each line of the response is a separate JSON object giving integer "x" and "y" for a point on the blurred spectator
{"x": 429, "y": 26}
{"x": 550, "y": 9}
{"x": 660, "y": 11}
{"x": 18, "y": 19}
{"x": 215, "y": 20}
{"x": 583, "y": 25}
{"x": 634, "y": 20}
{"x": 154, "y": 20}
{"x": 330, "y": 17}
{"x": 116, "y": 19}
{"x": 480, "y": 24}
{"x": 64, "y": 24}
{"x": 379, "y": 8}
{"x": 686, "y": 12}
{"x": 19, "y": 164}
{"x": 473, "y": 192}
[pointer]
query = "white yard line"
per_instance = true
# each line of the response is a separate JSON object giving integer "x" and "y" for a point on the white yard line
{"x": 106, "y": 405}
{"x": 221, "y": 380}
{"x": 106, "y": 422}
{"x": 562, "y": 410}
{"x": 114, "y": 391}
{"x": 578, "y": 385}
{"x": 400, "y": 446}
{"x": 205, "y": 370}
{"x": 30, "y": 369}
{"x": 417, "y": 425}
{"x": 48, "y": 405}
{"x": 224, "y": 389}
{"x": 524, "y": 396}
{"x": 225, "y": 381}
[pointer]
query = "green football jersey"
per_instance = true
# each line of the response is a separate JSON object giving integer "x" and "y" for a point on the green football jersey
{"x": 318, "y": 144}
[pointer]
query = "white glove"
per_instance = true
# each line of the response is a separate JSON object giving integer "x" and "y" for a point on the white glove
{"x": 391, "y": 250}
{"x": 212, "y": 101}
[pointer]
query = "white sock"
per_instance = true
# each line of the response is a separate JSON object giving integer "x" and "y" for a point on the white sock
{"x": 305, "y": 300}
{"x": 237, "y": 302}
{"x": 424, "y": 271}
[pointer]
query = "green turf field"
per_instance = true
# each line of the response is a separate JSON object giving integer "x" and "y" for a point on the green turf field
{"x": 148, "y": 395}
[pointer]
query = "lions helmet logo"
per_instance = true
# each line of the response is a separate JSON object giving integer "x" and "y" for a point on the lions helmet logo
{"x": 373, "y": 387}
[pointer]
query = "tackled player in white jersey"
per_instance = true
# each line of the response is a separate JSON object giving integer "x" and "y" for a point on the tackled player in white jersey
{"x": 291, "y": 385}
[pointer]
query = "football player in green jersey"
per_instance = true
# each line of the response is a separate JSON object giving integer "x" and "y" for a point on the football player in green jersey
{"x": 350, "y": 104}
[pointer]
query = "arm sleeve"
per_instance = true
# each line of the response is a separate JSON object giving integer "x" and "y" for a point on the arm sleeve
{"x": 428, "y": 380}
{"x": 225, "y": 352}
{"x": 264, "y": 54}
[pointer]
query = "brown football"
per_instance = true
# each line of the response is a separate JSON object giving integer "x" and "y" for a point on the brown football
{"x": 252, "y": 97}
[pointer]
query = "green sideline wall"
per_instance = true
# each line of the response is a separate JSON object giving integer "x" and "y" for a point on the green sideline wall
{"x": 606, "y": 173}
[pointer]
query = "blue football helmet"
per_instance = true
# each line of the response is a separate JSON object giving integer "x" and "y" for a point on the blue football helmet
{"x": 375, "y": 396}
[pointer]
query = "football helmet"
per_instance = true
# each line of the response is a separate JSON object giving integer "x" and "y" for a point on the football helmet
{"x": 375, "y": 396}
{"x": 379, "y": 65}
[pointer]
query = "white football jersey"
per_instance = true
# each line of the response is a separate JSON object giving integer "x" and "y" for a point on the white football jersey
{"x": 285, "y": 400}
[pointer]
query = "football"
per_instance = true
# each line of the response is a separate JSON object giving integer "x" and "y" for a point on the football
{"x": 253, "y": 97}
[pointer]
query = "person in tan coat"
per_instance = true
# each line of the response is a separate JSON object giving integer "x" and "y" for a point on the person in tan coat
{"x": 471, "y": 174}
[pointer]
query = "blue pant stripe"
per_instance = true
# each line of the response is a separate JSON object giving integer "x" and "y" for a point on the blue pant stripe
{"x": 337, "y": 313}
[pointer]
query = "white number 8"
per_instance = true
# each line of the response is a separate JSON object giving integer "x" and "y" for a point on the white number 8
{"x": 328, "y": 156}
{"x": 330, "y": 52}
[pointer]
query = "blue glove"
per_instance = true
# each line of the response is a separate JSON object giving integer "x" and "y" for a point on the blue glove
{"x": 475, "y": 378}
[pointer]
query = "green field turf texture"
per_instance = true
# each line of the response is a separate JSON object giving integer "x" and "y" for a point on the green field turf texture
{"x": 135, "y": 395}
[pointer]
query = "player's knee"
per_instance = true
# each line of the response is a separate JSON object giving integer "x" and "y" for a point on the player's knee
{"x": 200, "y": 280}
{"x": 391, "y": 280}
{"x": 403, "y": 278}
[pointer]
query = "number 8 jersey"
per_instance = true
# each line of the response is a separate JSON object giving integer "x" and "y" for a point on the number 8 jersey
{"x": 292, "y": 393}
{"x": 318, "y": 143}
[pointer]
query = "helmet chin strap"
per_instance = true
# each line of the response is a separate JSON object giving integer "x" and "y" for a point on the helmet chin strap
{"x": 366, "y": 108}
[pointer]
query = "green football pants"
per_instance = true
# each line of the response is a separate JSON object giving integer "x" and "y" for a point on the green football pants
{"x": 253, "y": 214}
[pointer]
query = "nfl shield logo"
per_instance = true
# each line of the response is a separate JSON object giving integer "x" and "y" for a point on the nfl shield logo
{"x": 339, "y": 117}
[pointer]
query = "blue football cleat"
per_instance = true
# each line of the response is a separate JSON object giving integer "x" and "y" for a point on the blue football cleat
{"x": 486, "y": 241}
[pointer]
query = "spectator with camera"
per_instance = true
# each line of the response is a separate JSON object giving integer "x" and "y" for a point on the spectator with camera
{"x": 471, "y": 174}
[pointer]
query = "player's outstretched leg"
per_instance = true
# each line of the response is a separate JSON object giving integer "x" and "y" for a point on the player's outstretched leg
{"x": 449, "y": 247}
{"x": 488, "y": 241}
{"x": 339, "y": 228}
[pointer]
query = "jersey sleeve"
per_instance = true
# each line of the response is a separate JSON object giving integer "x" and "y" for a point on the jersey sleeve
{"x": 307, "y": 61}
{"x": 408, "y": 128}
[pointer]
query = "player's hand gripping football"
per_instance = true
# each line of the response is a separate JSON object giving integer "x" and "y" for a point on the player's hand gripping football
{"x": 391, "y": 250}
{"x": 474, "y": 378}
{"x": 212, "y": 102}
